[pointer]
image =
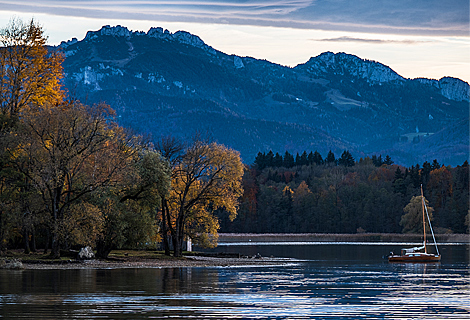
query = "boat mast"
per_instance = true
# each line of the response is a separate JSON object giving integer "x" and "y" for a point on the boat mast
{"x": 424, "y": 219}
{"x": 430, "y": 227}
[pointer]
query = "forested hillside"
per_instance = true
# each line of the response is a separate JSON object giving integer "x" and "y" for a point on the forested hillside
{"x": 307, "y": 194}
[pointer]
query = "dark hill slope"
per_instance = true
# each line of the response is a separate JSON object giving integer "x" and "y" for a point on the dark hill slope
{"x": 163, "y": 83}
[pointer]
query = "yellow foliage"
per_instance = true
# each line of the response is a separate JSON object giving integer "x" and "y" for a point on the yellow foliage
{"x": 209, "y": 177}
{"x": 412, "y": 220}
{"x": 82, "y": 224}
{"x": 29, "y": 74}
{"x": 287, "y": 190}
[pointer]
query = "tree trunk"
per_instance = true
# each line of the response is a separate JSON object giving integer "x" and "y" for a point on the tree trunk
{"x": 27, "y": 250}
{"x": 33, "y": 240}
{"x": 178, "y": 237}
{"x": 48, "y": 241}
{"x": 166, "y": 245}
{"x": 2, "y": 235}
{"x": 55, "y": 252}
{"x": 176, "y": 246}
{"x": 103, "y": 249}
{"x": 55, "y": 248}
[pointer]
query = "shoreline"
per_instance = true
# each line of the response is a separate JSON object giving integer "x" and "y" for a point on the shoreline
{"x": 120, "y": 259}
{"x": 225, "y": 238}
{"x": 185, "y": 262}
{"x": 152, "y": 259}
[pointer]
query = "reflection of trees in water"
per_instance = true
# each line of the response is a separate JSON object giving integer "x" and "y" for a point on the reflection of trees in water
{"x": 343, "y": 289}
{"x": 187, "y": 280}
{"x": 175, "y": 280}
{"x": 152, "y": 281}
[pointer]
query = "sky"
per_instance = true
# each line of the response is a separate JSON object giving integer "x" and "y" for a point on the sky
{"x": 416, "y": 38}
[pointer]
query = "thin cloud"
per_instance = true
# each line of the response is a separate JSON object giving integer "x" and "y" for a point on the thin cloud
{"x": 374, "y": 41}
{"x": 430, "y": 17}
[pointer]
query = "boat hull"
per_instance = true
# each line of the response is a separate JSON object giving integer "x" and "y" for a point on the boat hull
{"x": 415, "y": 258}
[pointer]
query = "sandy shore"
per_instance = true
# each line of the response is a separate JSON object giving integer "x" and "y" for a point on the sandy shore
{"x": 160, "y": 263}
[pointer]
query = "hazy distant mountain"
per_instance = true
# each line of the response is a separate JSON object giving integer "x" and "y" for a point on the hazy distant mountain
{"x": 164, "y": 83}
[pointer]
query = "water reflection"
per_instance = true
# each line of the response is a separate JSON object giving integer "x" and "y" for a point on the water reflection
{"x": 321, "y": 289}
{"x": 331, "y": 252}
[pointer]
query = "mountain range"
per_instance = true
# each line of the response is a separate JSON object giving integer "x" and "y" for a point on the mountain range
{"x": 162, "y": 83}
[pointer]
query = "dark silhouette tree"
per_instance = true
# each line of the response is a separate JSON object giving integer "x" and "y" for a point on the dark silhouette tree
{"x": 260, "y": 161}
{"x": 435, "y": 165}
{"x": 330, "y": 158}
{"x": 388, "y": 160}
{"x": 278, "y": 161}
{"x": 288, "y": 160}
{"x": 346, "y": 159}
{"x": 269, "y": 159}
{"x": 304, "y": 158}
{"x": 377, "y": 161}
{"x": 317, "y": 158}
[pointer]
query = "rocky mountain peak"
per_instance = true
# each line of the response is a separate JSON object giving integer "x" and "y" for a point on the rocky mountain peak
{"x": 350, "y": 65}
{"x": 451, "y": 88}
{"x": 117, "y": 31}
{"x": 159, "y": 33}
{"x": 65, "y": 44}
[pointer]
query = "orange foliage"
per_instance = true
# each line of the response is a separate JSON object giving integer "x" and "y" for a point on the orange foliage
{"x": 29, "y": 74}
{"x": 382, "y": 174}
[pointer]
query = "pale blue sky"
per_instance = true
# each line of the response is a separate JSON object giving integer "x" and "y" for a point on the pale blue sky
{"x": 416, "y": 38}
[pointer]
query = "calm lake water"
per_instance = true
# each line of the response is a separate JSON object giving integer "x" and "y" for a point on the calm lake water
{"x": 330, "y": 282}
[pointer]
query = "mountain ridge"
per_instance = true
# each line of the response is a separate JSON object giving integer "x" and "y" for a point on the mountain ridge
{"x": 351, "y": 103}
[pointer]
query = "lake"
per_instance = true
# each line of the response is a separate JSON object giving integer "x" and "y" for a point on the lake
{"x": 323, "y": 281}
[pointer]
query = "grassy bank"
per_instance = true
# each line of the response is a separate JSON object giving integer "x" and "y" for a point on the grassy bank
{"x": 336, "y": 237}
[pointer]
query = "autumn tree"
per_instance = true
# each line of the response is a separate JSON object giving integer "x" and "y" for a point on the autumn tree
{"x": 440, "y": 186}
{"x": 30, "y": 77}
{"x": 130, "y": 207}
{"x": 171, "y": 148}
{"x": 66, "y": 152}
{"x": 207, "y": 176}
{"x": 412, "y": 220}
{"x": 30, "y": 74}
{"x": 301, "y": 202}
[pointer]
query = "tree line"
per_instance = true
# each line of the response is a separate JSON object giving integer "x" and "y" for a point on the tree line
{"x": 70, "y": 176}
{"x": 346, "y": 159}
{"x": 314, "y": 195}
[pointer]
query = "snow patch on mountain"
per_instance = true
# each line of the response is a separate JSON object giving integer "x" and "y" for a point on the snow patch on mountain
{"x": 70, "y": 53}
{"x": 91, "y": 76}
{"x": 237, "y": 62}
{"x": 155, "y": 77}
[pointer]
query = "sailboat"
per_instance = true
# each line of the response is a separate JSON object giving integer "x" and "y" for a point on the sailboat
{"x": 419, "y": 254}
